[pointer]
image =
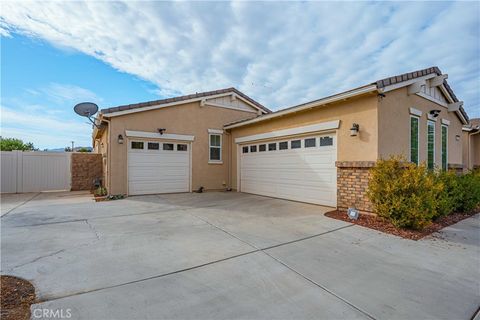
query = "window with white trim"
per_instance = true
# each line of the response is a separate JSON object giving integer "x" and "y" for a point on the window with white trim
{"x": 431, "y": 145}
{"x": 444, "y": 147}
{"x": 414, "y": 130}
{"x": 215, "y": 147}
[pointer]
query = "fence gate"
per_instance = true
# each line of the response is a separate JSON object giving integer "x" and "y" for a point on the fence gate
{"x": 34, "y": 171}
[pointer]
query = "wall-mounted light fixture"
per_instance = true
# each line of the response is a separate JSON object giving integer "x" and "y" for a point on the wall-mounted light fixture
{"x": 161, "y": 130}
{"x": 120, "y": 139}
{"x": 457, "y": 137}
{"x": 354, "y": 129}
{"x": 435, "y": 112}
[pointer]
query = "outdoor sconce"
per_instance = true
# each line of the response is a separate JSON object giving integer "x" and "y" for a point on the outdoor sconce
{"x": 435, "y": 113}
{"x": 457, "y": 137}
{"x": 120, "y": 139}
{"x": 354, "y": 129}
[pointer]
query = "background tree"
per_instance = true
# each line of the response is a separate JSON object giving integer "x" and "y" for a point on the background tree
{"x": 10, "y": 144}
{"x": 83, "y": 149}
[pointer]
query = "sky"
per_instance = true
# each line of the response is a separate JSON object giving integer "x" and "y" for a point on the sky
{"x": 56, "y": 54}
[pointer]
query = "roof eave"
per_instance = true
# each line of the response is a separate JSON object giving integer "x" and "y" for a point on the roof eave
{"x": 308, "y": 105}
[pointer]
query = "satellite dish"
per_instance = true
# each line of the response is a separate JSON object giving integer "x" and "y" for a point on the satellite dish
{"x": 86, "y": 109}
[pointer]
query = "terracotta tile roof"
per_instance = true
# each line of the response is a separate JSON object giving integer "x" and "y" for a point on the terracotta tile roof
{"x": 386, "y": 82}
{"x": 416, "y": 74}
{"x": 182, "y": 98}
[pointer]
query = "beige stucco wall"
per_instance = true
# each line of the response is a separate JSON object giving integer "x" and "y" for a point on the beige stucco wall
{"x": 394, "y": 127}
{"x": 101, "y": 146}
{"x": 471, "y": 150}
{"x": 361, "y": 110}
{"x": 188, "y": 119}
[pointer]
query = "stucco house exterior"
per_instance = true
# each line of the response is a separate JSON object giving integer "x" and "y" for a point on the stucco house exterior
{"x": 317, "y": 152}
{"x": 471, "y": 145}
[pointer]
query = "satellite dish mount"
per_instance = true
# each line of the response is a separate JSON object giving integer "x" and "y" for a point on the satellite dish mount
{"x": 88, "y": 110}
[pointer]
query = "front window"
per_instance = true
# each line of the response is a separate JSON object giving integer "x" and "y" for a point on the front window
{"x": 215, "y": 146}
{"x": 414, "y": 140}
{"x": 444, "y": 147}
{"x": 431, "y": 144}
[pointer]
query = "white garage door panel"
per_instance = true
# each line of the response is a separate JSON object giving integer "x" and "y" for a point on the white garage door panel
{"x": 158, "y": 171}
{"x": 304, "y": 174}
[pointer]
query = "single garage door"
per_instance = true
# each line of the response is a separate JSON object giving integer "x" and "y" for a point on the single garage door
{"x": 301, "y": 169}
{"x": 158, "y": 167}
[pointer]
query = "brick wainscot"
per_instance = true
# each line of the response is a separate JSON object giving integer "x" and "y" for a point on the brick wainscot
{"x": 352, "y": 184}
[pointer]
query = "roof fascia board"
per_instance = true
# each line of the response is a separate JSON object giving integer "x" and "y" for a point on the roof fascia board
{"x": 313, "y": 104}
{"x": 165, "y": 105}
{"x": 330, "y": 125}
{"x": 407, "y": 83}
{"x": 157, "y": 135}
{"x": 218, "y": 105}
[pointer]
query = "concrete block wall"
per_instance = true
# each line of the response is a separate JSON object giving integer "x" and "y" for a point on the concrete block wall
{"x": 86, "y": 167}
{"x": 352, "y": 184}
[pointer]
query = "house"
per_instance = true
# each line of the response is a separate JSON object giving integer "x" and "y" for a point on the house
{"x": 317, "y": 152}
{"x": 471, "y": 145}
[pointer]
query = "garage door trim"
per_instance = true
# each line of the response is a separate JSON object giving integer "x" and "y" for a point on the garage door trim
{"x": 289, "y": 138}
{"x": 168, "y": 138}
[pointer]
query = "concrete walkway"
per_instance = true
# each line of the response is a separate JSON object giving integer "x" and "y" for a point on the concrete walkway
{"x": 230, "y": 256}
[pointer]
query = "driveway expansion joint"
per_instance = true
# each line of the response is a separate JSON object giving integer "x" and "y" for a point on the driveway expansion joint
{"x": 21, "y": 204}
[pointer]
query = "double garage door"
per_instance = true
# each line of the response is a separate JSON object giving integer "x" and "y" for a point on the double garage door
{"x": 300, "y": 169}
{"x": 158, "y": 167}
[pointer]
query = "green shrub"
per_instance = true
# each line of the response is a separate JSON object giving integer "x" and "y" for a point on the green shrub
{"x": 469, "y": 185}
{"x": 404, "y": 193}
{"x": 451, "y": 194}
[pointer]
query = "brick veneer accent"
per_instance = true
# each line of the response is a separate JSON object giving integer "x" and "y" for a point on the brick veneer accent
{"x": 86, "y": 167}
{"x": 352, "y": 184}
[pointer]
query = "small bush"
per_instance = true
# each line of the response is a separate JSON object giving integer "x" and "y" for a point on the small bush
{"x": 411, "y": 196}
{"x": 404, "y": 193}
{"x": 451, "y": 194}
{"x": 469, "y": 185}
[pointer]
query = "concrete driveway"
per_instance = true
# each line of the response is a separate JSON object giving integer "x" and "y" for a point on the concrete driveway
{"x": 226, "y": 255}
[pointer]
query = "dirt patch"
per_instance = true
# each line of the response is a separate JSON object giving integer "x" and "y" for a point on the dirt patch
{"x": 16, "y": 296}
{"x": 380, "y": 224}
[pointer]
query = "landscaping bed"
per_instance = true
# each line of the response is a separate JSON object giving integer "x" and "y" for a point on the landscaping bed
{"x": 383, "y": 225}
{"x": 16, "y": 296}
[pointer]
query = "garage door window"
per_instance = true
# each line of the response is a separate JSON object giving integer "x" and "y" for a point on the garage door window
{"x": 245, "y": 150}
{"x": 283, "y": 145}
{"x": 296, "y": 144}
{"x": 137, "y": 145}
{"x": 326, "y": 141}
{"x": 310, "y": 143}
{"x": 168, "y": 146}
{"x": 181, "y": 147}
{"x": 262, "y": 147}
{"x": 253, "y": 148}
{"x": 153, "y": 146}
{"x": 272, "y": 146}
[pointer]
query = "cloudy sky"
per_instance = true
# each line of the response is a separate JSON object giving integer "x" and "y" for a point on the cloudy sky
{"x": 55, "y": 54}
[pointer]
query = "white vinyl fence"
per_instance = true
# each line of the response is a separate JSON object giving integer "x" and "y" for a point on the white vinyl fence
{"x": 34, "y": 171}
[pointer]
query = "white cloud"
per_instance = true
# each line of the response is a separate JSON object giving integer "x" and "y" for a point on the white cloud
{"x": 66, "y": 93}
{"x": 280, "y": 53}
{"x": 44, "y": 130}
